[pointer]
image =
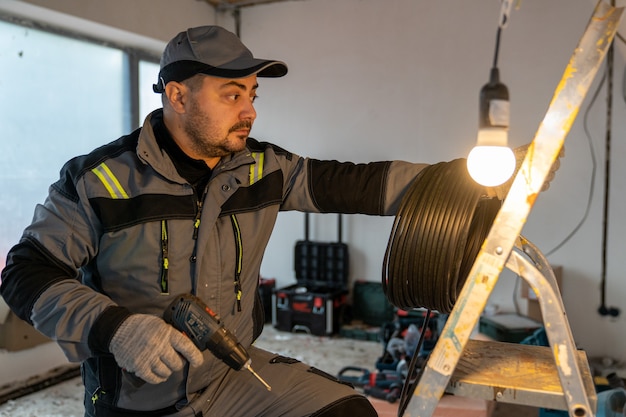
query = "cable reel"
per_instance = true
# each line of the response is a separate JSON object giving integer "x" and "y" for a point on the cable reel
{"x": 442, "y": 221}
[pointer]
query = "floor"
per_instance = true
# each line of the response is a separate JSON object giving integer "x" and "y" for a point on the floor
{"x": 330, "y": 354}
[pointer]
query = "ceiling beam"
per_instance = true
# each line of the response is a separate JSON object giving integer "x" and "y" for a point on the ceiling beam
{"x": 229, "y": 4}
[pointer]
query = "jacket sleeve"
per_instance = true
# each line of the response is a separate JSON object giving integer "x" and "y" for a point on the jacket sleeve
{"x": 374, "y": 188}
{"x": 41, "y": 280}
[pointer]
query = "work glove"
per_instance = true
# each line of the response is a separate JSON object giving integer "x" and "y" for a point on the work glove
{"x": 502, "y": 190}
{"x": 151, "y": 349}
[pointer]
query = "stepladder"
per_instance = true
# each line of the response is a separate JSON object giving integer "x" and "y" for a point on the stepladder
{"x": 541, "y": 376}
{"x": 555, "y": 376}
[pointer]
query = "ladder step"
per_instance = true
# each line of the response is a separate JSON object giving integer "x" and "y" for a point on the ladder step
{"x": 515, "y": 373}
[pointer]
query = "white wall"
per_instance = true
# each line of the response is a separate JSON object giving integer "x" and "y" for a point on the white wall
{"x": 381, "y": 79}
{"x": 373, "y": 79}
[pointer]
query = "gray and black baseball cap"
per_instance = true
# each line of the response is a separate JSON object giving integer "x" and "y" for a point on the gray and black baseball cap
{"x": 211, "y": 50}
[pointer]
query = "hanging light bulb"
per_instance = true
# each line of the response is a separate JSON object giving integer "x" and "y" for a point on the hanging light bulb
{"x": 491, "y": 162}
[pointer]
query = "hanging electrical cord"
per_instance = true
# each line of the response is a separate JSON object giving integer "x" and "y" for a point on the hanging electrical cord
{"x": 593, "y": 170}
{"x": 608, "y": 75}
{"x": 414, "y": 374}
{"x": 603, "y": 310}
{"x": 592, "y": 182}
{"x": 608, "y": 78}
{"x": 588, "y": 135}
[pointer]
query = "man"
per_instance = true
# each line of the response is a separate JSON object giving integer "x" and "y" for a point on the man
{"x": 177, "y": 207}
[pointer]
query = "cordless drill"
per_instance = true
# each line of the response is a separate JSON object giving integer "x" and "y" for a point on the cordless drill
{"x": 203, "y": 326}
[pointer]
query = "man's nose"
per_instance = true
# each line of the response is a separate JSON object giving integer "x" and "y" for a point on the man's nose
{"x": 248, "y": 111}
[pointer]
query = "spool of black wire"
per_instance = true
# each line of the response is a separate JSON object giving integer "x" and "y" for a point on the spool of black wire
{"x": 440, "y": 226}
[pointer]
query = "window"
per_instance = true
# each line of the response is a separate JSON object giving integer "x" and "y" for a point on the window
{"x": 61, "y": 97}
{"x": 148, "y": 100}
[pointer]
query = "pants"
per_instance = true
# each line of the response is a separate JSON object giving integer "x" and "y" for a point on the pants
{"x": 297, "y": 391}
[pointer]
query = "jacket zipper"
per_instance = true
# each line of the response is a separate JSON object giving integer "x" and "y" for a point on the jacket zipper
{"x": 196, "y": 227}
{"x": 164, "y": 258}
{"x": 196, "y": 223}
{"x": 238, "y": 260}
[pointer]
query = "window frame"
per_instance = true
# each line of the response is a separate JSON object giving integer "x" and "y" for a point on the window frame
{"x": 133, "y": 56}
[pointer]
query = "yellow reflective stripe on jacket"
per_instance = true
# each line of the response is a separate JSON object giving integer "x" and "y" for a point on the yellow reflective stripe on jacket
{"x": 256, "y": 169}
{"x": 109, "y": 181}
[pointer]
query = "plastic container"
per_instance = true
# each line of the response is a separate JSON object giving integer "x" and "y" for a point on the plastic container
{"x": 611, "y": 403}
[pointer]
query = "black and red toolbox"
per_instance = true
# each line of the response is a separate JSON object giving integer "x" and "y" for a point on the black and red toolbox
{"x": 315, "y": 303}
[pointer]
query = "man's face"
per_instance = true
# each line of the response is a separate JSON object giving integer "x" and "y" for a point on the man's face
{"x": 219, "y": 115}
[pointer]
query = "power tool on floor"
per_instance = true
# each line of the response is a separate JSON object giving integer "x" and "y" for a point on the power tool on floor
{"x": 196, "y": 320}
{"x": 384, "y": 385}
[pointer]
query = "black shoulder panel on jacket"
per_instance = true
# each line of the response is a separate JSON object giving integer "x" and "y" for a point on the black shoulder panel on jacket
{"x": 77, "y": 166}
{"x": 20, "y": 290}
{"x": 265, "y": 192}
{"x": 256, "y": 146}
{"x": 345, "y": 187}
{"x": 117, "y": 214}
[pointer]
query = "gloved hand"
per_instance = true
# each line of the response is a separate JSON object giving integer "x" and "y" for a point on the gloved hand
{"x": 502, "y": 190}
{"x": 151, "y": 349}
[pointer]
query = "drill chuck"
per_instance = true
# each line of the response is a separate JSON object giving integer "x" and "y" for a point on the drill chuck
{"x": 225, "y": 347}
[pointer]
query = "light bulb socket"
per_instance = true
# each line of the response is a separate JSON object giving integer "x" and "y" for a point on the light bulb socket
{"x": 494, "y": 106}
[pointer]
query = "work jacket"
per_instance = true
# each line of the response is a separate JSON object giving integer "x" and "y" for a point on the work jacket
{"x": 121, "y": 232}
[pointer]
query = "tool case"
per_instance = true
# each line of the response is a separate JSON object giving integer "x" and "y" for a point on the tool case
{"x": 508, "y": 327}
{"x": 315, "y": 303}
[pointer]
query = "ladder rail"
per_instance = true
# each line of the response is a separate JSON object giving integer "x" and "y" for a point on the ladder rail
{"x": 558, "y": 331}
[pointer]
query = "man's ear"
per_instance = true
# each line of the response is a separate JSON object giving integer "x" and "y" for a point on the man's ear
{"x": 176, "y": 94}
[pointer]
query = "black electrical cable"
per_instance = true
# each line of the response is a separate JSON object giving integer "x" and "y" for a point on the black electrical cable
{"x": 497, "y": 49}
{"x": 592, "y": 179}
{"x": 607, "y": 175}
{"x": 440, "y": 226}
{"x": 603, "y": 310}
{"x": 592, "y": 154}
{"x": 413, "y": 375}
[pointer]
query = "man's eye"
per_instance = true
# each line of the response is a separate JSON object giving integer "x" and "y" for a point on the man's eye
{"x": 236, "y": 97}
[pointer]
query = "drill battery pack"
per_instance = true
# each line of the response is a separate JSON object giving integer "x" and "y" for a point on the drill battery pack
{"x": 315, "y": 303}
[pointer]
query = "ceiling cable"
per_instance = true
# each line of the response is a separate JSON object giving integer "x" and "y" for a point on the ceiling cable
{"x": 603, "y": 310}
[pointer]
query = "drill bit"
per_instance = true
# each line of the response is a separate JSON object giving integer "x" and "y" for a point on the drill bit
{"x": 249, "y": 368}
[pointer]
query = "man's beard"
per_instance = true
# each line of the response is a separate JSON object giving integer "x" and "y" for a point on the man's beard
{"x": 205, "y": 141}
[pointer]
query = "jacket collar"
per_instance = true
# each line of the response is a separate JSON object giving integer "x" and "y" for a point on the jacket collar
{"x": 149, "y": 151}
